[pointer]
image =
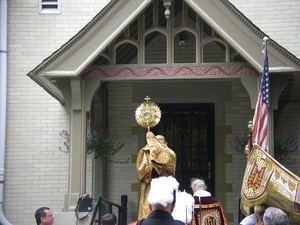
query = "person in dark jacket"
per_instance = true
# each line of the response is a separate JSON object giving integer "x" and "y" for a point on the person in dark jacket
{"x": 161, "y": 199}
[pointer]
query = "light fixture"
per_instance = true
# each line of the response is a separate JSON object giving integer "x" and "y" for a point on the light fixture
{"x": 181, "y": 37}
{"x": 167, "y": 5}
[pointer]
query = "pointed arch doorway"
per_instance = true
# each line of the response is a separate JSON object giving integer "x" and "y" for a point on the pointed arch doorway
{"x": 189, "y": 129}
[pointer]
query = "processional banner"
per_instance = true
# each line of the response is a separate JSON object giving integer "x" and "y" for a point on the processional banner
{"x": 267, "y": 181}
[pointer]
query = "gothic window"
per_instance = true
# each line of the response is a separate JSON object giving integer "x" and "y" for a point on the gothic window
{"x": 155, "y": 48}
{"x": 184, "y": 47}
{"x": 126, "y": 54}
{"x": 214, "y": 52}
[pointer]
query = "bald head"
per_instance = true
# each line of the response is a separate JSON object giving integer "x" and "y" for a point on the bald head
{"x": 162, "y": 139}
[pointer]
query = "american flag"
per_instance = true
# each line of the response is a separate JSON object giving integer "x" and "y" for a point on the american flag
{"x": 260, "y": 119}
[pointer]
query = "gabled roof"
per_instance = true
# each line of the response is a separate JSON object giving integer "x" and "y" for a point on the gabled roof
{"x": 71, "y": 59}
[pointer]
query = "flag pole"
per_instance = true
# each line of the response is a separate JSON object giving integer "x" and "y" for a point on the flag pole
{"x": 270, "y": 146}
{"x": 269, "y": 129}
{"x": 259, "y": 127}
{"x": 260, "y": 132}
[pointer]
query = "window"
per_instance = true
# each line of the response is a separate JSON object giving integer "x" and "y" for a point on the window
{"x": 49, "y": 6}
{"x": 155, "y": 48}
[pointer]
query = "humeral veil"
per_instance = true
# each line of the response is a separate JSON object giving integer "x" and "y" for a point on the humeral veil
{"x": 153, "y": 160}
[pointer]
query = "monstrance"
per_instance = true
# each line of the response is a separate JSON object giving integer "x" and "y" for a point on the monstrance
{"x": 147, "y": 114}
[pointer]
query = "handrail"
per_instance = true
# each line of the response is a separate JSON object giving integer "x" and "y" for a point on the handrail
{"x": 122, "y": 210}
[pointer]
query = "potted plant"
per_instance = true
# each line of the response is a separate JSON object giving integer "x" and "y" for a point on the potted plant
{"x": 103, "y": 145}
{"x": 99, "y": 144}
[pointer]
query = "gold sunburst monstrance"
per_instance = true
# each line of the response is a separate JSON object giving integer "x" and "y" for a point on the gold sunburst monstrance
{"x": 147, "y": 114}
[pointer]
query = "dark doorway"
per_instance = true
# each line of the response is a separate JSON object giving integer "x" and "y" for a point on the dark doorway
{"x": 189, "y": 130}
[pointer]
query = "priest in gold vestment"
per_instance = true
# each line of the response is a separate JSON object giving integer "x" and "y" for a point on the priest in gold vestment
{"x": 153, "y": 160}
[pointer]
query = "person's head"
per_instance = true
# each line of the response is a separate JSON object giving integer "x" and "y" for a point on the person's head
{"x": 108, "y": 219}
{"x": 275, "y": 216}
{"x": 44, "y": 216}
{"x": 184, "y": 207}
{"x": 259, "y": 211}
{"x": 162, "y": 194}
{"x": 197, "y": 184}
{"x": 162, "y": 139}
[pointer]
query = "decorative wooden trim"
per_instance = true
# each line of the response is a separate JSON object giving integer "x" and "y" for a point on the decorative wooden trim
{"x": 169, "y": 71}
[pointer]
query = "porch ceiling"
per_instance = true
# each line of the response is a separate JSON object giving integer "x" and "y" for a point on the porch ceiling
{"x": 75, "y": 56}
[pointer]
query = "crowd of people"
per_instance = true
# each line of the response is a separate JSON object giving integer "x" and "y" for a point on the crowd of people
{"x": 162, "y": 203}
{"x": 156, "y": 170}
{"x": 168, "y": 206}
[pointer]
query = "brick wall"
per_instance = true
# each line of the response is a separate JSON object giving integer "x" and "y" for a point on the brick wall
{"x": 35, "y": 169}
{"x": 121, "y": 176}
{"x": 237, "y": 118}
{"x": 278, "y": 19}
